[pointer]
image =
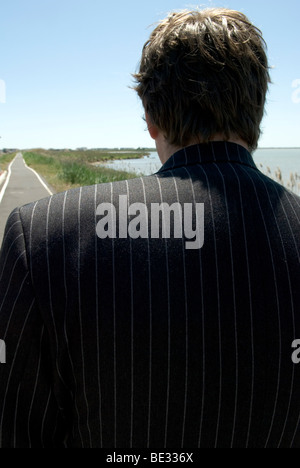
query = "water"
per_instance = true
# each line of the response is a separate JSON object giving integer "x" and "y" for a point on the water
{"x": 144, "y": 166}
{"x": 268, "y": 160}
{"x": 285, "y": 159}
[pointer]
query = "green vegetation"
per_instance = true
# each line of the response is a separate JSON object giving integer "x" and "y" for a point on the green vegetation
{"x": 65, "y": 169}
{"x": 5, "y": 160}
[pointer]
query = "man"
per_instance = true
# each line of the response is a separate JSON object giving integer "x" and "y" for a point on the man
{"x": 161, "y": 312}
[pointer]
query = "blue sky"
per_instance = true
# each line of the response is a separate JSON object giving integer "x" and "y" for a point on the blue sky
{"x": 66, "y": 66}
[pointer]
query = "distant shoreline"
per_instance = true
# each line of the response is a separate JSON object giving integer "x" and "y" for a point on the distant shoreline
{"x": 278, "y": 147}
{"x": 125, "y": 151}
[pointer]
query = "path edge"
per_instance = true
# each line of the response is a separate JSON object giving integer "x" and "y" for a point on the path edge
{"x": 8, "y": 174}
{"x": 39, "y": 178}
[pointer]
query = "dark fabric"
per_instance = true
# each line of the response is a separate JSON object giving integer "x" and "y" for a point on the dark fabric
{"x": 142, "y": 342}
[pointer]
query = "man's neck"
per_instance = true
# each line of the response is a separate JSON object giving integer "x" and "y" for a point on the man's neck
{"x": 165, "y": 150}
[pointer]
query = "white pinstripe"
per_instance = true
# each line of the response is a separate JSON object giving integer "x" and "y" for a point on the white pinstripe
{"x": 15, "y": 417}
{"x": 114, "y": 325}
{"x": 17, "y": 296}
{"x": 50, "y": 293}
{"x": 203, "y": 320}
{"x": 12, "y": 367}
{"x": 296, "y": 198}
{"x": 169, "y": 321}
{"x": 278, "y": 230}
{"x": 35, "y": 387}
{"x": 54, "y": 432}
{"x": 15, "y": 212}
{"x": 97, "y": 323}
{"x": 65, "y": 319}
{"x": 7, "y": 256}
{"x": 150, "y": 327}
{"x": 296, "y": 216}
{"x": 290, "y": 292}
{"x": 11, "y": 228}
{"x": 45, "y": 414}
{"x": 277, "y": 301}
{"x": 186, "y": 325}
{"x": 250, "y": 305}
{"x": 80, "y": 320}
{"x": 132, "y": 327}
{"x": 30, "y": 240}
{"x": 234, "y": 304}
{"x": 219, "y": 304}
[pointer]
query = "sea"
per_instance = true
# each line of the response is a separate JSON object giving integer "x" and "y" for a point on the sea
{"x": 268, "y": 160}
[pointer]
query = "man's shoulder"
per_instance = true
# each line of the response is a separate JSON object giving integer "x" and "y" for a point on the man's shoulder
{"x": 88, "y": 197}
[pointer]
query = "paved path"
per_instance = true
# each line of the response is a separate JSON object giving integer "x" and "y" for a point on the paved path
{"x": 23, "y": 185}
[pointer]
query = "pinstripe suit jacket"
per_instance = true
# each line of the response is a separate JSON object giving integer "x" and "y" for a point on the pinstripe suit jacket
{"x": 141, "y": 342}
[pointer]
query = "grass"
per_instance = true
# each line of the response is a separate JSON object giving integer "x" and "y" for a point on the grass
{"x": 64, "y": 169}
{"x": 67, "y": 169}
{"x": 292, "y": 184}
{"x": 5, "y": 160}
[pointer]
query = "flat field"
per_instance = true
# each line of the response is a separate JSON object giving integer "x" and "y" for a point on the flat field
{"x": 65, "y": 169}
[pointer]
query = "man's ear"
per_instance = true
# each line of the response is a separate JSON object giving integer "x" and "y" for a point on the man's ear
{"x": 152, "y": 129}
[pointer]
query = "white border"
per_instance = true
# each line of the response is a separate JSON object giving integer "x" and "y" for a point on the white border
{"x": 9, "y": 174}
{"x": 40, "y": 180}
{"x": 7, "y": 180}
{"x": 3, "y": 177}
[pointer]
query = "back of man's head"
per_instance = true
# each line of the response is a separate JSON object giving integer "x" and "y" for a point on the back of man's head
{"x": 205, "y": 73}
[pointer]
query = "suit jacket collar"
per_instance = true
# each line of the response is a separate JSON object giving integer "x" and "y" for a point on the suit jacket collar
{"x": 213, "y": 152}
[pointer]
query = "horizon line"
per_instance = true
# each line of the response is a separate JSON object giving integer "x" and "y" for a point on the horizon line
{"x": 118, "y": 148}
